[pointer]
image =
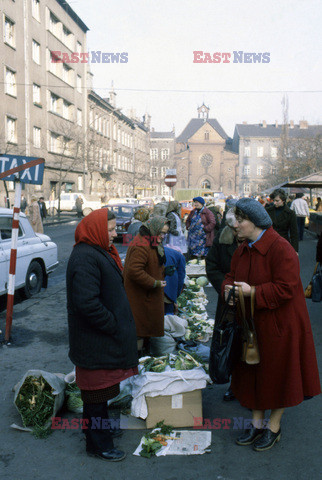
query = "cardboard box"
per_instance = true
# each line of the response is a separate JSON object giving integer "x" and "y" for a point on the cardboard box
{"x": 176, "y": 410}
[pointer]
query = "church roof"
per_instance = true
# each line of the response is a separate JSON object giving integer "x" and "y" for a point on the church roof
{"x": 195, "y": 124}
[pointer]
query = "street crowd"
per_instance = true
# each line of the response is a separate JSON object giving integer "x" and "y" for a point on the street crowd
{"x": 114, "y": 311}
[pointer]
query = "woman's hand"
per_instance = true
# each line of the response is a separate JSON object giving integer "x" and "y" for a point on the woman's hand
{"x": 245, "y": 288}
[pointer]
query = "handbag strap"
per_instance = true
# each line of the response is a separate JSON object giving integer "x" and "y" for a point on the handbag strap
{"x": 231, "y": 294}
{"x": 243, "y": 310}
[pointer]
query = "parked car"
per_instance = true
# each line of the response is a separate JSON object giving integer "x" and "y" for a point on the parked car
{"x": 118, "y": 201}
{"x": 124, "y": 214}
{"x": 147, "y": 202}
{"x": 36, "y": 255}
{"x": 67, "y": 203}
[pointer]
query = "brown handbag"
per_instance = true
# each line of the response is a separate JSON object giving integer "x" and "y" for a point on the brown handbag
{"x": 250, "y": 351}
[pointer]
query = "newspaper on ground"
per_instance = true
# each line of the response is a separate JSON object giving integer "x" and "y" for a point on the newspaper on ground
{"x": 183, "y": 442}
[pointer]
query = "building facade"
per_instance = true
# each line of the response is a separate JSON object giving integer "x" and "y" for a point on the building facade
{"x": 43, "y": 107}
{"x": 162, "y": 147}
{"x": 261, "y": 148}
{"x": 204, "y": 158}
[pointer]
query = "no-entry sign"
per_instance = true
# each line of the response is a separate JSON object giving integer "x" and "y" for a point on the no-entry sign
{"x": 171, "y": 178}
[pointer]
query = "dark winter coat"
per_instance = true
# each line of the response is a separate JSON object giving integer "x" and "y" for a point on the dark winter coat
{"x": 319, "y": 249}
{"x": 141, "y": 269}
{"x": 218, "y": 261}
{"x": 288, "y": 370}
{"x": 101, "y": 325}
{"x": 285, "y": 224}
{"x": 208, "y": 221}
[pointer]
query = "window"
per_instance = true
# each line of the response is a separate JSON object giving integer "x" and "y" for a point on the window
{"x": 273, "y": 170}
{"x": 67, "y": 110}
{"x": 274, "y": 152}
{"x": 78, "y": 47}
{"x": 66, "y": 146}
{"x": 260, "y": 170}
{"x": 54, "y": 25}
{"x": 11, "y": 129}
{"x": 230, "y": 185}
{"x": 79, "y": 117}
{"x": 165, "y": 190}
{"x": 54, "y": 99}
{"x": 91, "y": 118}
{"x": 79, "y": 83}
{"x": 153, "y": 153}
{"x": 164, "y": 153}
{"x": 36, "y": 52}
{"x": 68, "y": 38}
{"x": 37, "y": 137}
{"x": 53, "y": 143}
{"x": 154, "y": 172}
{"x": 6, "y": 223}
{"x": 246, "y": 188}
{"x": 9, "y": 32}
{"x": 247, "y": 170}
{"x": 35, "y": 8}
{"x": 67, "y": 74}
{"x": 260, "y": 151}
{"x": 164, "y": 171}
{"x": 206, "y": 135}
{"x": 36, "y": 94}
{"x": 11, "y": 85}
{"x": 247, "y": 151}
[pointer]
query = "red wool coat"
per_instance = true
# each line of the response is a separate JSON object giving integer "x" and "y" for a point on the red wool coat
{"x": 288, "y": 368}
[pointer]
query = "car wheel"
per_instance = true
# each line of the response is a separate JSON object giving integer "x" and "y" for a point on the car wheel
{"x": 34, "y": 280}
{"x": 87, "y": 211}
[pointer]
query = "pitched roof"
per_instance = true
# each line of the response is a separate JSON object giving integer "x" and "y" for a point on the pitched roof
{"x": 195, "y": 124}
{"x": 162, "y": 134}
{"x": 73, "y": 15}
{"x": 257, "y": 130}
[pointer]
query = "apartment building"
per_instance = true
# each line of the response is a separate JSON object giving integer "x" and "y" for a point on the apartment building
{"x": 43, "y": 106}
{"x": 162, "y": 147}
{"x": 116, "y": 151}
{"x": 259, "y": 148}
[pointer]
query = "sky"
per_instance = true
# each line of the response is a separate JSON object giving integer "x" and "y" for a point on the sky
{"x": 161, "y": 78}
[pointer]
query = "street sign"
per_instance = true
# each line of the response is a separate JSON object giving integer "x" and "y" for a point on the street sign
{"x": 171, "y": 177}
{"x": 25, "y": 169}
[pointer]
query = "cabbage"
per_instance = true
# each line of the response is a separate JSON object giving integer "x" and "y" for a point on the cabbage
{"x": 74, "y": 403}
{"x": 193, "y": 262}
{"x": 202, "y": 281}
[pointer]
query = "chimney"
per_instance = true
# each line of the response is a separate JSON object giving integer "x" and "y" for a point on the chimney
{"x": 276, "y": 123}
{"x": 304, "y": 124}
{"x": 244, "y": 122}
{"x": 264, "y": 124}
{"x": 291, "y": 123}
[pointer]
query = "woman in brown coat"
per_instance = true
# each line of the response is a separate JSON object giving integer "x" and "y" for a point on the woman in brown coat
{"x": 287, "y": 372}
{"x": 34, "y": 215}
{"x": 143, "y": 277}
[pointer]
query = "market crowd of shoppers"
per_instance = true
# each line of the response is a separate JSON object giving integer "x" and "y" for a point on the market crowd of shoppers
{"x": 113, "y": 313}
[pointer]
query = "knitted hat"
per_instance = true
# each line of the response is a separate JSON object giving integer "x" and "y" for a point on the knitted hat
{"x": 255, "y": 212}
{"x": 199, "y": 199}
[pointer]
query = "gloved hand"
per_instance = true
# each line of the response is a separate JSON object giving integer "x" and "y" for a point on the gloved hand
{"x": 169, "y": 270}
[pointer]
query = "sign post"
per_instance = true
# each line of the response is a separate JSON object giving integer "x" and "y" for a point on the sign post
{"x": 20, "y": 170}
{"x": 170, "y": 179}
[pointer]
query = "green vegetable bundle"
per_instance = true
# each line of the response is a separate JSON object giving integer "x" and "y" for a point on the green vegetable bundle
{"x": 35, "y": 403}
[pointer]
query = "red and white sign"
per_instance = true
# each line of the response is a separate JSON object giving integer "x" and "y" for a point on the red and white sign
{"x": 171, "y": 178}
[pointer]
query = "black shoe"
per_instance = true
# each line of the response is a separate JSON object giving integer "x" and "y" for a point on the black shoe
{"x": 229, "y": 395}
{"x": 117, "y": 432}
{"x": 249, "y": 436}
{"x": 267, "y": 440}
{"x": 113, "y": 455}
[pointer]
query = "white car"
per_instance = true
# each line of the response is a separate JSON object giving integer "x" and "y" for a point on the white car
{"x": 36, "y": 255}
{"x": 67, "y": 203}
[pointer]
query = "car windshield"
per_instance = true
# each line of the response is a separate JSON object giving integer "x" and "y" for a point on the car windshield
{"x": 122, "y": 211}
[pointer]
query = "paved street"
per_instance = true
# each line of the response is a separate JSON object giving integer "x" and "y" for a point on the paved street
{"x": 41, "y": 341}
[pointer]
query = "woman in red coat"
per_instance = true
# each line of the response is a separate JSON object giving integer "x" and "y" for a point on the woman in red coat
{"x": 287, "y": 372}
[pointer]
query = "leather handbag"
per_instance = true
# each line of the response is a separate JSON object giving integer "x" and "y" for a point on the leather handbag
{"x": 250, "y": 350}
{"x": 226, "y": 342}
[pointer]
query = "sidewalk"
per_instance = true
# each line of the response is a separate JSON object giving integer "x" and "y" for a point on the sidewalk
{"x": 64, "y": 218}
{"x": 41, "y": 341}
